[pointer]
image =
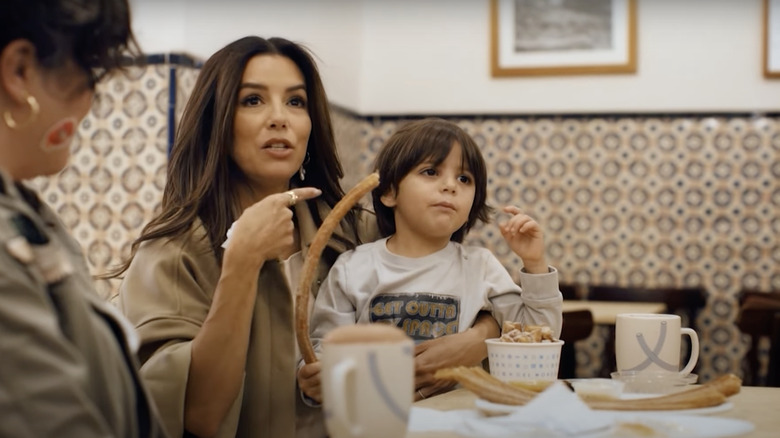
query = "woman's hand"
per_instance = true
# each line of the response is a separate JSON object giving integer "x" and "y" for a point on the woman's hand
{"x": 265, "y": 230}
{"x": 461, "y": 349}
{"x": 309, "y": 381}
{"x": 526, "y": 238}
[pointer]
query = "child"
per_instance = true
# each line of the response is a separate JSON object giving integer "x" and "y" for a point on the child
{"x": 432, "y": 190}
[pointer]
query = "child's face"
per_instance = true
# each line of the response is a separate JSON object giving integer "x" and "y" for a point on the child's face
{"x": 432, "y": 202}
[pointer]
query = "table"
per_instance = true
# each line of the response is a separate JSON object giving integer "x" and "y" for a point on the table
{"x": 755, "y": 404}
{"x": 605, "y": 313}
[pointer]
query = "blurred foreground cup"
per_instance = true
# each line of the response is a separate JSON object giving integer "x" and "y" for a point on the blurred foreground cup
{"x": 367, "y": 381}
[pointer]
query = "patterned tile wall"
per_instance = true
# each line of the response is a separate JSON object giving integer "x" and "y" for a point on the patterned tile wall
{"x": 628, "y": 200}
{"x": 114, "y": 180}
{"x": 639, "y": 200}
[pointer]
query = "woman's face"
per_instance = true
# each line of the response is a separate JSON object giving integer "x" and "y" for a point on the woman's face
{"x": 272, "y": 124}
{"x": 66, "y": 99}
{"x": 64, "y": 96}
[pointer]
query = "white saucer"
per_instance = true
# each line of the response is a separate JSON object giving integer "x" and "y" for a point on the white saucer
{"x": 654, "y": 383}
{"x": 491, "y": 408}
{"x": 669, "y": 425}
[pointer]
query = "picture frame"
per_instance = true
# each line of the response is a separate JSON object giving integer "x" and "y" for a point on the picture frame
{"x": 562, "y": 37}
{"x": 771, "y": 39}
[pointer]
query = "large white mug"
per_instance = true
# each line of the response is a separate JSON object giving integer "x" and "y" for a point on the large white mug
{"x": 367, "y": 381}
{"x": 651, "y": 342}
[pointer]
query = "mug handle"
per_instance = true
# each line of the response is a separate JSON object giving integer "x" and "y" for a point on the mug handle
{"x": 341, "y": 406}
{"x": 694, "y": 350}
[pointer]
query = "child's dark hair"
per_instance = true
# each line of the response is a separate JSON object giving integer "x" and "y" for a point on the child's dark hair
{"x": 428, "y": 139}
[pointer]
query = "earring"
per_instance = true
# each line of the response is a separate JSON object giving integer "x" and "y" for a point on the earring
{"x": 302, "y": 170}
{"x": 34, "y": 110}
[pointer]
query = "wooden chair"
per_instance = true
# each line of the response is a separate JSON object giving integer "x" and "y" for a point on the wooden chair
{"x": 759, "y": 316}
{"x": 569, "y": 291}
{"x": 685, "y": 301}
{"x": 577, "y": 325}
{"x": 573, "y": 291}
{"x": 773, "y": 375}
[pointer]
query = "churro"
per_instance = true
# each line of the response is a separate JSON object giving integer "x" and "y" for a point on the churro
{"x": 313, "y": 257}
{"x": 487, "y": 387}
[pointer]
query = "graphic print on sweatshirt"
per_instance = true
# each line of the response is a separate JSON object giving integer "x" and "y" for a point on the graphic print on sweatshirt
{"x": 422, "y": 316}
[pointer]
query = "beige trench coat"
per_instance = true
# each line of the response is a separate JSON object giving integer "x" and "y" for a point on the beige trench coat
{"x": 67, "y": 363}
{"x": 166, "y": 294}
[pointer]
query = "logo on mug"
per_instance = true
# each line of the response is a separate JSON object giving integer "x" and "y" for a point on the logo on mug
{"x": 653, "y": 354}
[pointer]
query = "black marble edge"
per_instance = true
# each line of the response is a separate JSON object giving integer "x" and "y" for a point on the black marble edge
{"x": 177, "y": 59}
{"x": 561, "y": 116}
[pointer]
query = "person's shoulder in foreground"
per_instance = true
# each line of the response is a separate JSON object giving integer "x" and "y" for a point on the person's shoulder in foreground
{"x": 68, "y": 366}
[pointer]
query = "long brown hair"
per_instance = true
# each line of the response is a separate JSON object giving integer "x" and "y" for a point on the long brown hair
{"x": 202, "y": 175}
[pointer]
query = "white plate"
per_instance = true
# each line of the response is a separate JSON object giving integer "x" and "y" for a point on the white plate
{"x": 684, "y": 426}
{"x": 498, "y": 409}
{"x": 670, "y": 424}
{"x": 698, "y": 411}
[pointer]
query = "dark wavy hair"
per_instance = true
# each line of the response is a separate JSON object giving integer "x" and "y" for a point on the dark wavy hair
{"x": 202, "y": 175}
{"x": 95, "y": 34}
{"x": 431, "y": 139}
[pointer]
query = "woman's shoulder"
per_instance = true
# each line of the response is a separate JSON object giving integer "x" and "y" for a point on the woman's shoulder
{"x": 368, "y": 230}
{"x": 192, "y": 243}
{"x": 348, "y": 233}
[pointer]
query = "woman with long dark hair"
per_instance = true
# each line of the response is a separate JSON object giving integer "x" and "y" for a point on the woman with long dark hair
{"x": 256, "y": 155}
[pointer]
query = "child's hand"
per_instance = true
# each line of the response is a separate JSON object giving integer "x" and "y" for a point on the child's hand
{"x": 526, "y": 238}
{"x": 309, "y": 381}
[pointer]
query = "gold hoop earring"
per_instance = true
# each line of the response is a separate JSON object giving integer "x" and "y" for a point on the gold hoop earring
{"x": 34, "y": 110}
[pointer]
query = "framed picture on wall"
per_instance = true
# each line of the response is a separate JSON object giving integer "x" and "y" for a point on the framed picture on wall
{"x": 562, "y": 37}
{"x": 772, "y": 38}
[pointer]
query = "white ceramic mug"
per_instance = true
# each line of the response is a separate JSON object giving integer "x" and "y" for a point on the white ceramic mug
{"x": 651, "y": 342}
{"x": 367, "y": 381}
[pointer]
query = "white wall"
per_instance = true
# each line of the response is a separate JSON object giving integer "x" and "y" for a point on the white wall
{"x": 330, "y": 28}
{"x": 388, "y": 57}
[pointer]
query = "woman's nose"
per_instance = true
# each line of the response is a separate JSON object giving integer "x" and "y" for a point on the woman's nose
{"x": 278, "y": 117}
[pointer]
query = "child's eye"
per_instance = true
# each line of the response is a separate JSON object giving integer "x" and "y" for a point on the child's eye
{"x": 428, "y": 171}
{"x": 465, "y": 179}
{"x": 251, "y": 100}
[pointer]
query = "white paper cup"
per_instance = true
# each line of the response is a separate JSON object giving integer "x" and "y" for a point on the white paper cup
{"x": 524, "y": 362}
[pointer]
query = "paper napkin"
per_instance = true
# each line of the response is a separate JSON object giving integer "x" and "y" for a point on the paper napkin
{"x": 556, "y": 412}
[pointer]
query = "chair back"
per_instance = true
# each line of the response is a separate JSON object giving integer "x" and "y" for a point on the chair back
{"x": 577, "y": 325}
{"x": 684, "y": 301}
{"x": 573, "y": 291}
{"x": 759, "y": 317}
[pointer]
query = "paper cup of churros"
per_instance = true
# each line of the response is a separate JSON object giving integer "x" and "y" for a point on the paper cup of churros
{"x": 526, "y": 355}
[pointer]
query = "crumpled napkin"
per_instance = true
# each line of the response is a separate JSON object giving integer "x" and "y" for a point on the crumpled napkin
{"x": 556, "y": 412}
